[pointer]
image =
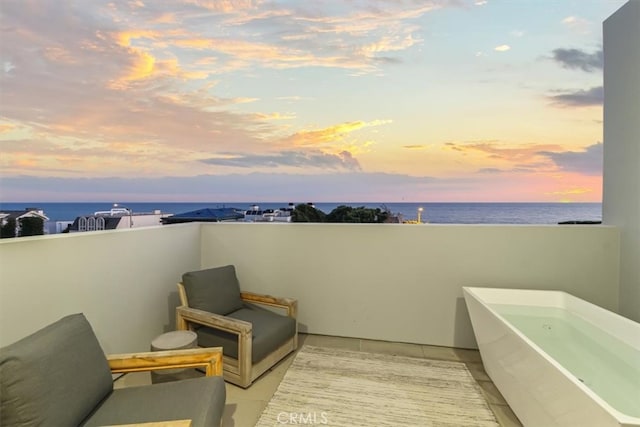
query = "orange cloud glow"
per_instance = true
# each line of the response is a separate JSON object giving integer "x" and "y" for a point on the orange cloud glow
{"x": 26, "y": 163}
{"x": 331, "y": 134}
{"x": 224, "y": 6}
{"x": 145, "y": 66}
{"x": 570, "y": 192}
{"x": 124, "y": 38}
{"x": 274, "y": 116}
{"x": 6, "y": 127}
{"x": 142, "y": 67}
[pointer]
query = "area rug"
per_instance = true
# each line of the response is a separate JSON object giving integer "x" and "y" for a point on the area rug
{"x": 334, "y": 387}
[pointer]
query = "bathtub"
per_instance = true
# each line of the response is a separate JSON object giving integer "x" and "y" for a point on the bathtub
{"x": 556, "y": 359}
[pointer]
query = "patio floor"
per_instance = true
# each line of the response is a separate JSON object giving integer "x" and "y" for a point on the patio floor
{"x": 244, "y": 406}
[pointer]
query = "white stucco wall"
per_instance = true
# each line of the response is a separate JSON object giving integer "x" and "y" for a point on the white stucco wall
{"x": 621, "y": 198}
{"x": 404, "y": 282}
{"x": 123, "y": 281}
{"x": 386, "y": 282}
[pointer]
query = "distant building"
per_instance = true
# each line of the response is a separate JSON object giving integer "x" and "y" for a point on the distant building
{"x": 115, "y": 218}
{"x": 205, "y": 215}
{"x": 13, "y": 223}
{"x": 57, "y": 227}
{"x": 255, "y": 214}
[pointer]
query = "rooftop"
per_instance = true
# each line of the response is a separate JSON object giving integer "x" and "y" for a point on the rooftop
{"x": 206, "y": 215}
{"x": 393, "y": 287}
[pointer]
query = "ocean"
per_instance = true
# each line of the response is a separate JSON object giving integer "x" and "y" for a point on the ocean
{"x": 434, "y": 213}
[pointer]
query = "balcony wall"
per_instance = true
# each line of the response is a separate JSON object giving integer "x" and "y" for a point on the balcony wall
{"x": 403, "y": 282}
{"x": 388, "y": 282}
{"x": 124, "y": 281}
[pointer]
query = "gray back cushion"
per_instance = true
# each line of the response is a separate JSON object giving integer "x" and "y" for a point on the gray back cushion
{"x": 55, "y": 376}
{"x": 215, "y": 290}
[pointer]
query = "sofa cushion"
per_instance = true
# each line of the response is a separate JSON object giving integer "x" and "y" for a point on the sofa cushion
{"x": 215, "y": 290}
{"x": 269, "y": 331}
{"x": 55, "y": 376}
{"x": 201, "y": 400}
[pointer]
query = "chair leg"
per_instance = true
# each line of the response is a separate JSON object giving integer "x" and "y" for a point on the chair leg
{"x": 244, "y": 359}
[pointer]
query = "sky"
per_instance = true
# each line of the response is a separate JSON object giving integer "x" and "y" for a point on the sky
{"x": 328, "y": 101}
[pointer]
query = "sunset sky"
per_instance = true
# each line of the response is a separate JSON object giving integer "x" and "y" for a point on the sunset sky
{"x": 354, "y": 101}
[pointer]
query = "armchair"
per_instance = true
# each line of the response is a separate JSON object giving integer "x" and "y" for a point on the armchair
{"x": 253, "y": 337}
{"x": 60, "y": 376}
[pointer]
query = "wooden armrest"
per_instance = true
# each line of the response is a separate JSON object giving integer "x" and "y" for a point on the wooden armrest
{"x": 215, "y": 321}
{"x": 209, "y": 358}
{"x": 173, "y": 423}
{"x": 290, "y": 304}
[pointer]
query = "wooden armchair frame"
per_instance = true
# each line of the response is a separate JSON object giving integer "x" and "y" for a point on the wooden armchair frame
{"x": 241, "y": 371}
{"x": 208, "y": 358}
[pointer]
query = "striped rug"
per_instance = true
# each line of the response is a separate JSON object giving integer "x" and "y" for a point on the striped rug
{"x": 335, "y": 387}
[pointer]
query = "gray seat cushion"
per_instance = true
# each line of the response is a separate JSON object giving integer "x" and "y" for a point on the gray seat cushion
{"x": 215, "y": 290}
{"x": 270, "y": 331}
{"x": 54, "y": 376}
{"x": 164, "y": 402}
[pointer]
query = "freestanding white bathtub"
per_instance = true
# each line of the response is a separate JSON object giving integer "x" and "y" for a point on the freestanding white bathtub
{"x": 556, "y": 359}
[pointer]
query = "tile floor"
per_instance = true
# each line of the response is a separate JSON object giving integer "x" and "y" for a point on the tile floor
{"x": 244, "y": 406}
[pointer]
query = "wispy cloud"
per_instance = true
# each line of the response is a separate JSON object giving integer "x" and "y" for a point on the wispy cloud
{"x": 502, "y": 48}
{"x": 6, "y": 127}
{"x": 298, "y": 159}
{"x": 331, "y": 135}
{"x": 576, "y": 23}
{"x": 293, "y": 98}
{"x": 354, "y": 38}
{"x": 587, "y": 161}
{"x": 513, "y": 156}
{"x": 537, "y": 158}
{"x": 275, "y": 116}
{"x": 579, "y": 98}
{"x": 226, "y": 6}
{"x": 491, "y": 171}
{"x": 579, "y": 59}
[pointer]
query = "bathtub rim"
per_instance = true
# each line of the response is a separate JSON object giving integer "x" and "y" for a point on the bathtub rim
{"x": 566, "y": 301}
{"x": 560, "y": 299}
